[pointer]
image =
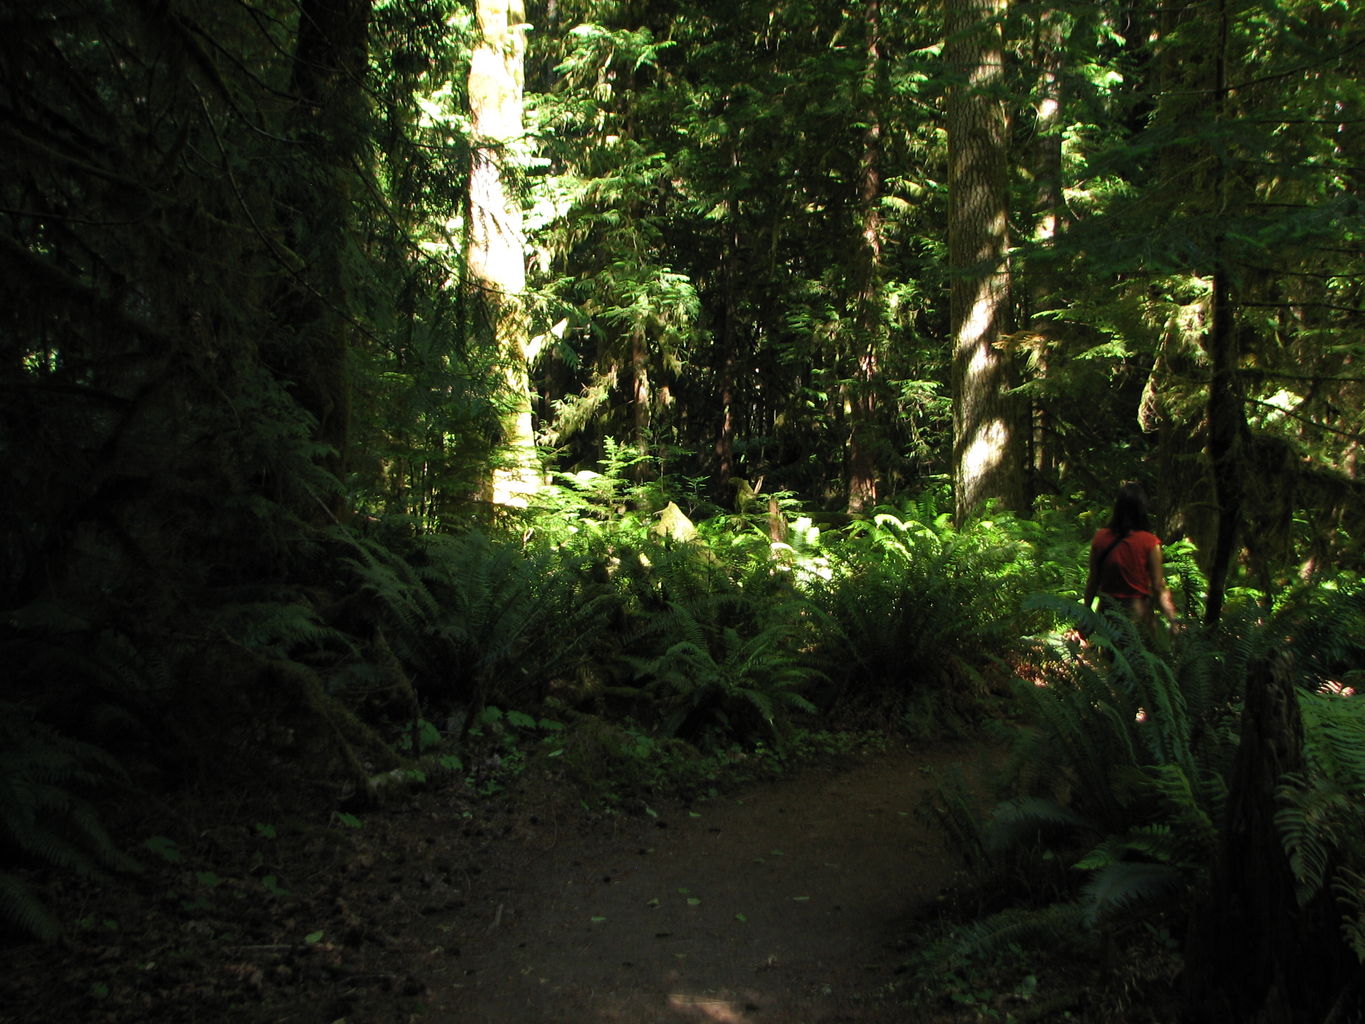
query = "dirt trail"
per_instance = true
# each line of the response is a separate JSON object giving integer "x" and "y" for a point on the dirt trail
{"x": 780, "y": 905}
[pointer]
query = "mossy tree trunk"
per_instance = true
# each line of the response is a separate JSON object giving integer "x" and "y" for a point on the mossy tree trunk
{"x": 495, "y": 255}
{"x": 987, "y": 444}
{"x": 865, "y": 440}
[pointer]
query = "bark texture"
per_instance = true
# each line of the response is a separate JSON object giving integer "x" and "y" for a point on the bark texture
{"x": 864, "y": 436}
{"x": 1255, "y": 954}
{"x": 328, "y": 80}
{"x": 495, "y": 261}
{"x": 1049, "y": 221}
{"x": 987, "y": 456}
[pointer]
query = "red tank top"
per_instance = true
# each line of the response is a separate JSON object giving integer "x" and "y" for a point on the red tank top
{"x": 1125, "y": 571}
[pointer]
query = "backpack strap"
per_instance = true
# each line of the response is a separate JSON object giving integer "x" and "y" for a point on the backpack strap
{"x": 1110, "y": 549}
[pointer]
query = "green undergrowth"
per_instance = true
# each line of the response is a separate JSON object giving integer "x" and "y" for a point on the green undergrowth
{"x": 611, "y": 766}
{"x": 629, "y": 639}
{"x": 1088, "y": 871}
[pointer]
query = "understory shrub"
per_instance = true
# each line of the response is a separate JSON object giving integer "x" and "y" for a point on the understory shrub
{"x": 47, "y": 819}
{"x": 920, "y": 612}
{"x": 478, "y": 618}
{"x": 1119, "y": 782}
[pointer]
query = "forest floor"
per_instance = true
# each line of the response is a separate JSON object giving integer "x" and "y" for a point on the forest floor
{"x": 788, "y": 901}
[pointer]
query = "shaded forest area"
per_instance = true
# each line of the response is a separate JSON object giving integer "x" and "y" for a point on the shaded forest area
{"x": 429, "y": 395}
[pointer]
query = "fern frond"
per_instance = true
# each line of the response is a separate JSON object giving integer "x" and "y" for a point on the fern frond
{"x": 21, "y": 907}
{"x": 1322, "y": 814}
{"x": 1023, "y": 822}
{"x": 1124, "y": 884}
{"x": 1334, "y": 736}
{"x": 1192, "y": 813}
{"x": 1316, "y": 818}
{"x": 37, "y": 842}
{"x": 280, "y": 626}
{"x": 759, "y": 701}
{"x": 44, "y": 819}
{"x": 1058, "y": 925}
{"x": 1160, "y": 844}
{"x": 1350, "y": 891}
{"x": 948, "y": 807}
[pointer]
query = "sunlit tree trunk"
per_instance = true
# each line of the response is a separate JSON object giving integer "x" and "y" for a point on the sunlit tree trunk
{"x": 863, "y": 442}
{"x": 495, "y": 260}
{"x": 987, "y": 449}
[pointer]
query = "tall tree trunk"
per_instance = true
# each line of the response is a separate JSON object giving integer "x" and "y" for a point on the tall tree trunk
{"x": 987, "y": 448}
{"x": 1049, "y": 221}
{"x": 641, "y": 396}
{"x": 864, "y": 435}
{"x": 1227, "y": 439}
{"x": 328, "y": 78}
{"x": 729, "y": 340}
{"x": 495, "y": 258}
{"x": 1226, "y": 407}
{"x": 1255, "y": 953}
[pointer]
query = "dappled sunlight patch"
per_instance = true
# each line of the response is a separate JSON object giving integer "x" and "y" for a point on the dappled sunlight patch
{"x": 710, "y": 1008}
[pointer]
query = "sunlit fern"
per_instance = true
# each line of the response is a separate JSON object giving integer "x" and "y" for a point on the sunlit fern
{"x": 920, "y": 607}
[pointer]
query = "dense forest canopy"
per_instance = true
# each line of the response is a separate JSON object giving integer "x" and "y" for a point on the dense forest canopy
{"x": 725, "y": 233}
{"x": 372, "y": 362}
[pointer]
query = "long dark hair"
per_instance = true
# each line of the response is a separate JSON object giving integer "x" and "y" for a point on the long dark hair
{"x": 1130, "y": 511}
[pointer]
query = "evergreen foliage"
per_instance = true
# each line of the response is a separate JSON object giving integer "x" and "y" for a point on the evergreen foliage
{"x": 1320, "y": 814}
{"x": 1128, "y": 757}
{"x": 46, "y": 817}
{"x": 1121, "y": 778}
{"x": 923, "y": 613}
{"x": 722, "y": 675}
{"x": 246, "y": 415}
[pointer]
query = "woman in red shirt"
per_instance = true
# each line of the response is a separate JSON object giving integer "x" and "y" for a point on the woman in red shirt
{"x": 1125, "y": 561}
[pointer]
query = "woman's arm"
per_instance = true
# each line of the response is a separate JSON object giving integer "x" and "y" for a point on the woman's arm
{"x": 1092, "y": 582}
{"x": 1160, "y": 592}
